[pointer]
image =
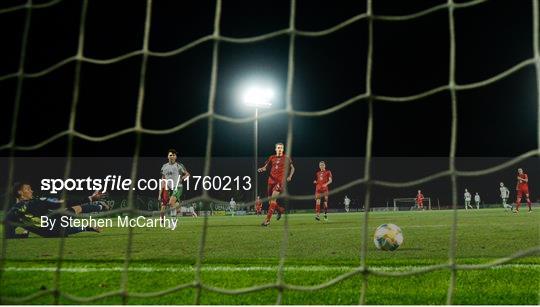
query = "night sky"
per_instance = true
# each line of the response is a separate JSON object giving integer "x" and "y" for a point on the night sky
{"x": 409, "y": 57}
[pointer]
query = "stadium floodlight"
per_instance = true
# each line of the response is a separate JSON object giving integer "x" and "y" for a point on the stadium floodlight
{"x": 257, "y": 96}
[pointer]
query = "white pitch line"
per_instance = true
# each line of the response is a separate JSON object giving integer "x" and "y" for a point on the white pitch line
{"x": 404, "y": 227}
{"x": 238, "y": 269}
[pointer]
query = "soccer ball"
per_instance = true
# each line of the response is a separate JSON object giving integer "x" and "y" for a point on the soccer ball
{"x": 388, "y": 237}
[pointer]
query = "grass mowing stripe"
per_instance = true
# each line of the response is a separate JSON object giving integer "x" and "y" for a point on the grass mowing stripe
{"x": 239, "y": 269}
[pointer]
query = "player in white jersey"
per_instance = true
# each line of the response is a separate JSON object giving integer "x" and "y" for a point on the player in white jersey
{"x": 347, "y": 203}
{"x": 477, "y": 200}
{"x": 467, "y": 196}
{"x": 505, "y": 194}
{"x": 193, "y": 210}
{"x": 232, "y": 206}
{"x": 173, "y": 174}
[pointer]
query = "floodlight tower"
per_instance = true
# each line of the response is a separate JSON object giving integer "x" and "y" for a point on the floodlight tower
{"x": 258, "y": 97}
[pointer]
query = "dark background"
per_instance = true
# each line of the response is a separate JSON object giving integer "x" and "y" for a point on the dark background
{"x": 344, "y": 171}
{"x": 499, "y": 120}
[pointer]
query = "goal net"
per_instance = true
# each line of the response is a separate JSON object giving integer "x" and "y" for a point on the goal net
{"x": 199, "y": 286}
{"x": 401, "y": 204}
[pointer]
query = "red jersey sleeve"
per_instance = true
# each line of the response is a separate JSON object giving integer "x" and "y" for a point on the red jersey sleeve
{"x": 268, "y": 161}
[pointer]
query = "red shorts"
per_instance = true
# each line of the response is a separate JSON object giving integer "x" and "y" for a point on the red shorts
{"x": 321, "y": 191}
{"x": 522, "y": 190}
{"x": 274, "y": 187}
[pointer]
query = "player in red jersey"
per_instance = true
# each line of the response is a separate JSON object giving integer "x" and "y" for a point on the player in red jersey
{"x": 522, "y": 188}
{"x": 322, "y": 179}
{"x": 258, "y": 206}
{"x": 420, "y": 200}
{"x": 280, "y": 165}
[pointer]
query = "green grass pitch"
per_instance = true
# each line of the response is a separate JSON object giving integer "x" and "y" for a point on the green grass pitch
{"x": 239, "y": 253}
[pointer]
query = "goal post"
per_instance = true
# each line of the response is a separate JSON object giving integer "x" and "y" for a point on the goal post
{"x": 409, "y": 203}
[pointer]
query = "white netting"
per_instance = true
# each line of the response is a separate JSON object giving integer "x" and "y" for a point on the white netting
{"x": 367, "y": 97}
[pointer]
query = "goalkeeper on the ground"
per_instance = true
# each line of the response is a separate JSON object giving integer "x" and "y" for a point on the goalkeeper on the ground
{"x": 26, "y": 213}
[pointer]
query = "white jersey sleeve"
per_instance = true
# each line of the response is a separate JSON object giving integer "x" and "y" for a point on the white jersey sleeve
{"x": 163, "y": 170}
{"x": 181, "y": 168}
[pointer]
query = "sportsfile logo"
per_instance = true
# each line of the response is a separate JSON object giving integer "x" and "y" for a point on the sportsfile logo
{"x": 119, "y": 183}
{"x": 110, "y": 183}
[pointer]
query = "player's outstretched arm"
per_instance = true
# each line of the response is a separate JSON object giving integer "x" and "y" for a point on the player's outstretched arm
{"x": 9, "y": 231}
{"x": 97, "y": 195}
{"x": 263, "y": 168}
{"x": 185, "y": 175}
{"x": 291, "y": 174}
